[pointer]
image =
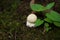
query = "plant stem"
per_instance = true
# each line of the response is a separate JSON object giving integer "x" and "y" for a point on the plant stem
{"x": 44, "y": 34}
{"x": 32, "y": 2}
{"x": 44, "y": 30}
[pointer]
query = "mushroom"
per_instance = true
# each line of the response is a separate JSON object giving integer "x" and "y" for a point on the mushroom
{"x": 31, "y": 19}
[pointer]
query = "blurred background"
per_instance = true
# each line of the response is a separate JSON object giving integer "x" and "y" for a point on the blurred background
{"x": 13, "y": 15}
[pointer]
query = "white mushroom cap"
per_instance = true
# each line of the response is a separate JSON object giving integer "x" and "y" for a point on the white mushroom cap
{"x": 31, "y": 18}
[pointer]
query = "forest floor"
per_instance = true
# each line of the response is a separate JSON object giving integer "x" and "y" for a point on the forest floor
{"x": 13, "y": 25}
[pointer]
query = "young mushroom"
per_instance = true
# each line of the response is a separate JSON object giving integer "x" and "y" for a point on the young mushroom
{"x": 31, "y": 19}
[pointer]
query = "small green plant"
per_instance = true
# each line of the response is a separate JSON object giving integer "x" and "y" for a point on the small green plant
{"x": 51, "y": 16}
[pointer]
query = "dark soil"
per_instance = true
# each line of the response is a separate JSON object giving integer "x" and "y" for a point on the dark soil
{"x": 12, "y": 27}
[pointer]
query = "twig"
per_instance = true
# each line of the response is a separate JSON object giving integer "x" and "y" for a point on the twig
{"x": 15, "y": 35}
{"x": 44, "y": 30}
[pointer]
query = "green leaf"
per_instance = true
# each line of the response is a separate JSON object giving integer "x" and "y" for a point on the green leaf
{"x": 38, "y": 22}
{"x": 57, "y": 24}
{"x": 54, "y": 16}
{"x": 46, "y": 25}
{"x": 37, "y": 7}
{"x": 47, "y": 28}
{"x": 50, "y": 5}
{"x": 48, "y": 20}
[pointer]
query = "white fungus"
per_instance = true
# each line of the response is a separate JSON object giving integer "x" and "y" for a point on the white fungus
{"x": 28, "y": 24}
{"x": 31, "y": 20}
